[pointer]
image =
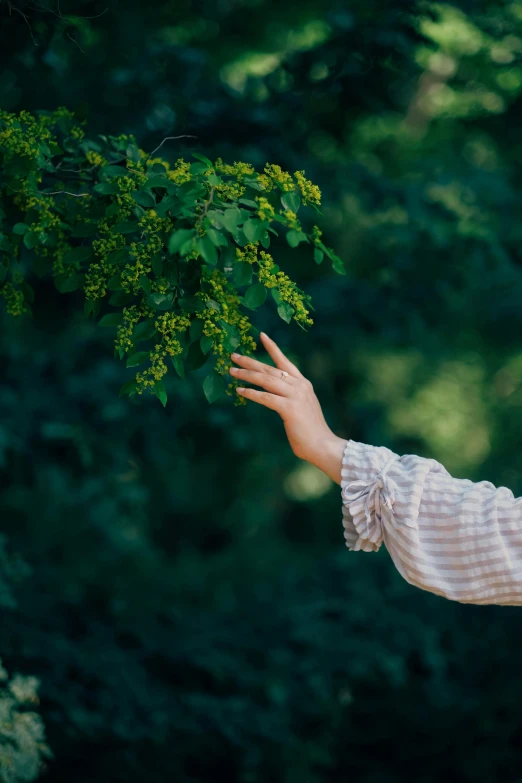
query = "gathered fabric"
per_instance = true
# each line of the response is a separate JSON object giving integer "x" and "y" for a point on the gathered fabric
{"x": 456, "y": 538}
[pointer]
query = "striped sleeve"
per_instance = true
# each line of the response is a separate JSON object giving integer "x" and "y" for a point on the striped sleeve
{"x": 453, "y": 537}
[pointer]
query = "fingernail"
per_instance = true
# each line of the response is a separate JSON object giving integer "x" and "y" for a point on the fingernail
{"x": 240, "y": 389}
{"x": 235, "y": 356}
{"x": 264, "y": 334}
{"x": 233, "y": 371}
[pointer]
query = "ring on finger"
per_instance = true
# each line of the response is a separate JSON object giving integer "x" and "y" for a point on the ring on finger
{"x": 284, "y": 374}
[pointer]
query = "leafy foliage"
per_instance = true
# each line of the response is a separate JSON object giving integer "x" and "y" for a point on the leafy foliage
{"x": 23, "y": 748}
{"x": 171, "y": 248}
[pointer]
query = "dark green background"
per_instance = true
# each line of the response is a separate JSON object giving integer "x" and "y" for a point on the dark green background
{"x": 191, "y": 609}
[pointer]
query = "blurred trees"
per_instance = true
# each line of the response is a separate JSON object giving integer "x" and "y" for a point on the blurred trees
{"x": 190, "y": 606}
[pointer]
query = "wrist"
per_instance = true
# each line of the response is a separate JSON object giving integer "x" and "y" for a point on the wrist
{"x": 328, "y": 456}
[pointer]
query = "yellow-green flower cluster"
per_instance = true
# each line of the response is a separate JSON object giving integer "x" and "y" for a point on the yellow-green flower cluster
{"x": 291, "y": 219}
{"x": 181, "y": 173}
{"x": 316, "y": 235}
{"x": 151, "y": 242}
{"x": 98, "y": 273}
{"x": 248, "y": 253}
{"x": 131, "y": 316}
{"x": 14, "y": 300}
{"x": 77, "y": 133}
{"x": 126, "y": 185}
{"x": 22, "y": 135}
{"x": 168, "y": 325}
{"x": 265, "y": 208}
{"x": 48, "y": 221}
{"x": 274, "y": 175}
{"x": 310, "y": 193}
{"x": 220, "y": 291}
{"x": 238, "y": 170}
{"x": 288, "y": 291}
{"x": 137, "y": 171}
{"x": 94, "y": 158}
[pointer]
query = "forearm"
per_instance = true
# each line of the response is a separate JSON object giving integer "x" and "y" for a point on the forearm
{"x": 328, "y": 456}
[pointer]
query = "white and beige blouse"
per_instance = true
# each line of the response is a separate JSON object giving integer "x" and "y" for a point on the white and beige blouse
{"x": 453, "y": 537}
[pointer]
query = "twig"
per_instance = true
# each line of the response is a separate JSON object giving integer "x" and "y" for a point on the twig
{"x": 67, "y": 33}
{"x": 207, "y": 205}
{"x": 24, "y": 17}
{"x": 57, "y": 192}
{"x": 169, "y": 138}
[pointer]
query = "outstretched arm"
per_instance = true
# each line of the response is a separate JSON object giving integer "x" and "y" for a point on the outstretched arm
{"x": 458, "y": 539}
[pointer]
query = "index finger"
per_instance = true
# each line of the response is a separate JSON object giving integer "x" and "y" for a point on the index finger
{"x": 278, "y": 356}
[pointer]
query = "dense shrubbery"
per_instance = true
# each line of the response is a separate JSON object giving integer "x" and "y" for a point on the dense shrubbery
{"x": 188, "y": 605}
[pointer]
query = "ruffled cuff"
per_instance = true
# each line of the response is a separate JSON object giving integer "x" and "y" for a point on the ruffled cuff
{"x": 368, "y": 494}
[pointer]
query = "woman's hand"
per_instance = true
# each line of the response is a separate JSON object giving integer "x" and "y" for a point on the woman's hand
{"x": 289, "y": 393}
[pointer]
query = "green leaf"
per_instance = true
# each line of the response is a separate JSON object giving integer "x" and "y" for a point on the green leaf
{"x": 144, "y": 198}
{"x": 249, "y": 203}
{"x": 65, "y": 284}
{"x": 294, "y": 237}
{"x": 112, "y": 210}
{"x": 180, "y": 239}
{"x": 126, "y": 227}
{"x": 217, "y": 238}
{"x": 129, "y": 388}
{"x": 211, "y": 304}
{"x": 191, "y": 304}
{"x": 285, "y": 311}
{"x": 168, "y": 204}
{"x": 29, "y": 239}
{"x": 207, "y": 250}
{"x": 28, "y": 292}
{"x": 213, "y": 387}
{"x": 137, "y": 358}
{"x": 111, "y": 319}
{"x": 106, "y": 188}
{"x": 113, "y": 171}
{"x": 113, "y": 284}
{"x": 196, "y": 329}
{"x": 120, "y": 256}
{"x": 250, "y": 228}
{"x": 337, "y": 264}
{"x": 160, "y": 392}
{"x": 177, "y": 362}
{"x": 276, "y": 295}
{"x": 202, "y": 158}
{"x": 290, "y": 200}
{"x": 157, "y": 182}
{"x": 121, "y": 299}
{"x": 242, "y": 274}
{"x": 157, "y": 264}
{"x": 255, "y": 295}
{"x": 84, "y": 230}
{"x": 77, "y": 255}
{"x": 145, "y": 284}
{"x": 214, "y": 179}
{"x": 232, "y": 337}
{"x": 5, "y": 245}
{"x": 206, "y": 343}
{"x": 143, "y": 331}
{"x": 160, "y": 301}
{"x": 195, "y": 357}
{"x": 133, "y": 153}
{"x": 231, "y": 218}
{"x": 20, "y": 228}
{"x": 318, "y": 255}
